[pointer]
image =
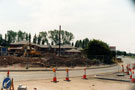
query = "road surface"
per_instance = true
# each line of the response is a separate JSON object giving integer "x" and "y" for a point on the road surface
{"x": 23, "y": 76}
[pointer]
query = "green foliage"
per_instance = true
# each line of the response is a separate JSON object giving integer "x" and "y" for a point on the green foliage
{"x": 21, "y": 35}
{"x": 43, "y": 42}
{"x": 29, "y": 37}
{"x": 82, "y": 43}
{"x": 1, "y": 39}
{"x": 98, "y": 48}
{"x": 3, "y": 42}
{"x": 65, "y": 36}
{"x": 39, "y": 39}
{"x": 85, "y": 43}
{"x": 130, "y": 54}
{"x": 35, "y": 39}
{"x": 121, "y": 53}
{"x": 54, "y": 36}
{"x": 72, "y": 44}
{"x": 96, "y": 61}
{"x": 44, "y": 38}
{"x": 11, "y": 36}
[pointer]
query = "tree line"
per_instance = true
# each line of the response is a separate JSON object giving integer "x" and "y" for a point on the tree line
{"x": 82, "y": 43}
{"x": 42, "y": 38}
{"x": 124, "y": 53}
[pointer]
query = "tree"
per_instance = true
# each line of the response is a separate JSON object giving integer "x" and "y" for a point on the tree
{"x": 77, "y": 44}
{"x": 35, "y": 39}
{"x": 21, "y": 35}
{"x": 66, "y": 37}
{"x": 85, "y": 43}
{"x": 43, "y": 42}
{"x": 5, "y": 36}
{"x": 29, "y": 37}
{"x": 44, "y": 38}
{"x": 39, "y": 39}
{"x": 11, "y": 36}
{"x": 72, "y": 43}
{"x": 1, "y": 39}
{"x": 3, "y": 42}
{"x": 52, "y": 43}
{"x": 82, "y": 43}
{"x": 99, "y": 48}
{"x": 121, "y": 52}
{"x": 124, "y": 53}
{"x": 54, "y": 36}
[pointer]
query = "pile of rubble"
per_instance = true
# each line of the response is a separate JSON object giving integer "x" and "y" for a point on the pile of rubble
{"x": 46, "y": 61}
{"x": 10, "y": 60}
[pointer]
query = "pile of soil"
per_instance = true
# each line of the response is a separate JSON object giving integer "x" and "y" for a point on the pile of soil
{"x": 46, "y": 61}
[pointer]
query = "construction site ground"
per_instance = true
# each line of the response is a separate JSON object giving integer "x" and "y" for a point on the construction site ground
{"x": 76, "y": 84}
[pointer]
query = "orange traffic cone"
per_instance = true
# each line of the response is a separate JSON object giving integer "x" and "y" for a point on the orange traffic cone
{"x": 54, "y": 78}
{"x": 122, "y": 68}
{"x": 129, "y": 65}
{"x": 67, "y": 75}
{"x": 133, "y": 66}
{"x": 127, "y": 70}
{"x": 8, "y": 73}
{"x": 130, "y": 72}
{"x": 84, "y": 76}
{"x": 133, "y": 77}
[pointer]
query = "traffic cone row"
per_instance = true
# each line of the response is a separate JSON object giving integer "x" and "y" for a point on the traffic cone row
{"x": 67, "y": 75}
{"x": 130, "y": 72}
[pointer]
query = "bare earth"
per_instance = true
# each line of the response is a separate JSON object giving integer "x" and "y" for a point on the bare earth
{"x": 76, "y": 84}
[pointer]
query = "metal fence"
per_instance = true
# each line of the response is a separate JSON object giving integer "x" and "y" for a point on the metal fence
{"x": 3, "y": 53}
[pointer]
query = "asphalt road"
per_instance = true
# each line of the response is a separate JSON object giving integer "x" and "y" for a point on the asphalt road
{"x": 23, "y": 76}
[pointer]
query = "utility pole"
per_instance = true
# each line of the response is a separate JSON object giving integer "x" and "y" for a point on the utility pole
{"x": 59, "y": 39}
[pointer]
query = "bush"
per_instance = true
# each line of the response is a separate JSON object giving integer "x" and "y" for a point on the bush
{"x": 96, "y": 61}
{"x": 96, "y": 49}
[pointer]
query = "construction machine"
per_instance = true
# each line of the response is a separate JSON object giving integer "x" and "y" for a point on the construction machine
{"x": 29, "y": 51}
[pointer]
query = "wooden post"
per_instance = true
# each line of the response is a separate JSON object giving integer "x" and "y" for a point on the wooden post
{"x": 59, "y": 39}
{"x": 12, "y": 85}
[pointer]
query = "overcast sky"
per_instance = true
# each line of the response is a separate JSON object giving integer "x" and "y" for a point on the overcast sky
{"x": 112, "y": 21}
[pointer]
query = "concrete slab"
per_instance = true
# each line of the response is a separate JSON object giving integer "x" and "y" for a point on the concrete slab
{"x": 114, "y": 76}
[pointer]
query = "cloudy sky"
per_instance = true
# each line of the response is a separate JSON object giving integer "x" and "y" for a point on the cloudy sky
{"x": 112, "y": 21}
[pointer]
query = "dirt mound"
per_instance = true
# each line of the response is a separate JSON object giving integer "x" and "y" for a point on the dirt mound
{"x": 10, "y": 60}
{"x": 47, "y": 61}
